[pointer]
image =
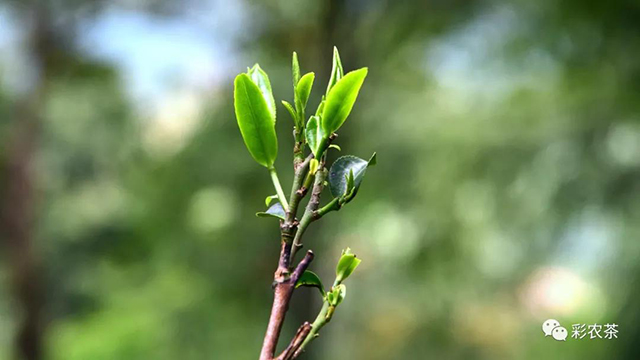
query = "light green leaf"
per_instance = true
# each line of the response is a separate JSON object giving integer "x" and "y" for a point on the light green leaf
{"x": 350, "y": 181}
{"x": 313, "y": 166}
{"x": 275, "y": 211}
{"x": 320, "y": 108}
{"x": 295, "y": 67}
{"x": 256, "y": 122}
{"x": 336, "y": 70}
{"x": 309, "y": 278}
{"x": 347, "y": 264}
{"x": 268, "y": 200}
{"x": 337, "y": 295}
{"x": 292, "y": 111}
{"x": 334, "y": 146}
{"x": 340, "y": 172}
{"x": 313, "y": 134}
{"x": 260, "y": 78}
{"x": 340, "y": 100}
{"x": 303, "y": 90}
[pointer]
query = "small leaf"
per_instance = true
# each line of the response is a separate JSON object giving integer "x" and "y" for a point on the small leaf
{"x": 275, "y": 211}
{"x": 337, "y": 295}
{"x": 303, "y": 90}
{"x": 313, "y": 166}
{"x": 260, "y": 78}
{"x": 334, "y": 146}
{"x": 340, "y": 171}
{"x": 347, "y": 264}
{"x": 268, "y": 200}
{"x": 295, "y": 67}
{"x": 341, "y": 99}
{"x": 373, "y": 160}
{"x": 256, "y": 122}
{"x": 292, "y": 111}
{"x": 336, "y": 70}
{"x": 313, "y": 134}
{"x": 309, "y": 278}
{"x": 320, "y": 108}
{"x": 350, "y": 182}
{"x": 342, "y": 293}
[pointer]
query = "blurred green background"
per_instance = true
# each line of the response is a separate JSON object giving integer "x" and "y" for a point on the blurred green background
{"x": 507, "y": 189}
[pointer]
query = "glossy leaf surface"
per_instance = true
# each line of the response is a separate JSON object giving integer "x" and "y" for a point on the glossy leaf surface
{"x": 341, "y": 99}
{"x": 309, "y": 278}
{"x": 347, "y": 264}
{"x": 256, "y": 122}
{"x": 341, "y": 169}
{"x": 260, "y": 78}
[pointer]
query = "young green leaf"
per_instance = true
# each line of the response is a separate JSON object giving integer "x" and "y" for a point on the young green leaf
{"x": 340, "y": 172}
{"x": 260, "y": 78}
{"x": 336, "y": 70}
{"x": 340, "y": 100}
{"x": 313, "y": 166}
{"x": 295, "y": 68}
{"x": 292, "y": 111}
{"x": 336, "y": 295}
{"x": 303, "y": 90}
{"x": 334, "y": 146}
{"x": 320, "y": 108}
{"x": 313, "y": 134}
{"x": 350, "y": 181}
{"x": 309, "y": 278}
{"x": 256, "y": 122}
{"x": 347, "y": 264}
{"x": 268, "y": 200}
{"x": 276, "y": 210}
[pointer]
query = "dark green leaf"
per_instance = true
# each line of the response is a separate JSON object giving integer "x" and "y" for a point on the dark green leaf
{"x": 309, "y": 278}
{"x": 260, "y": 78}
{"x": 256, "y": 122}
{"x": 336, "y": 70}
{"x": 340, "y": 100}
{"x": 339, "y": 174}
{"x": 347, "y": 264}
{"x": 275, "y": 211}
{"x": 295, "y": 67}
{"x": 303, "y": 90}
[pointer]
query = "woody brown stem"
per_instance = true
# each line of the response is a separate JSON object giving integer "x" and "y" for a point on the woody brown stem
{"x": 285, "y": 283}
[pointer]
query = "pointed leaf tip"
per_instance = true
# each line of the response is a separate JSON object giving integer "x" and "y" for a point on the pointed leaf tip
{"x": 340, "y": 100}
{"x": 260, "y": 78}
{"x": 256, "y": 122}
{"x": 347, "y": 264}
{"x": 340, "y": 171}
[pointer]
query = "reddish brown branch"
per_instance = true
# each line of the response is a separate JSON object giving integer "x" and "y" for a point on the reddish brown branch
{"x": 285, "y": 283}
{"x": 296, "y": 342}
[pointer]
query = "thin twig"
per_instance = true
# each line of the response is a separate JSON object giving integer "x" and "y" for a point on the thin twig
{"x": 296, "y": 342}
{"x": 324, "y": 316}
{"x": 312, "y": 206}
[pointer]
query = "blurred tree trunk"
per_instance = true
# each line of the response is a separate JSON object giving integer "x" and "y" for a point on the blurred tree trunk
{"x": 17, "y": 207}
